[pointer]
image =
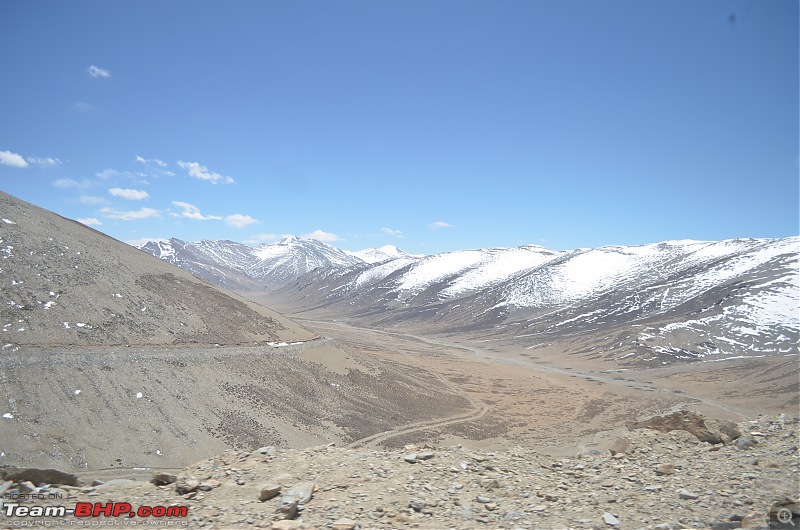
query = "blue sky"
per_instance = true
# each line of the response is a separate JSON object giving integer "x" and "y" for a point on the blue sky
{"x": 434, "y": 126}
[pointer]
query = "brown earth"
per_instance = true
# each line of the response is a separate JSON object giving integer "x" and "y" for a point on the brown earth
{"x": 155, "y": 370}
{"x": 63, "y": 284}
{"x": 352, "y": 387}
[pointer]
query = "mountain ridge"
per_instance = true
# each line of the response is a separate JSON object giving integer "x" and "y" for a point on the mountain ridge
{"x": 667, "y": 301}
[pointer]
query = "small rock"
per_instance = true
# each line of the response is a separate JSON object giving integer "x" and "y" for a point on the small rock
{"x": 411, "y": 458}
{"x": 163, "y": 479}
{"x": 727, "y": 429}
{"x": 725, "y": 525}
{"x": 665, "y": 469}
{"x": 610, "y": 520}
{"x": 27, "y": 486}
{"x": 687, "y": 495}
{"x": 745, "y": 442}
{"x": 268, "y": 492}
{"x": 425, "y": 455}
{"x": 619, "y": 447}
{"x": 653, "y": 488}
{"x": 491, "y": 506}
{"x": 185, "y": 485}
{"x": 285, "y": 525}
{"x": 287, "y": 507}
{"x": 755, "y": 520}
{"x": 483, "y": 500}
{"x": 417, "y": 505}
{"x": 267, "y": 450}
{"x": 303, "y": 491}
{"x": 344, "y": 524}
{"x": 208, "y": 485}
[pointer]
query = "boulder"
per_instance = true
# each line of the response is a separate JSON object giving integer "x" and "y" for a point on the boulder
{"x": 41, "y": 476}
{"x": 163, "y": 479}
{"x": 713, "y": 432}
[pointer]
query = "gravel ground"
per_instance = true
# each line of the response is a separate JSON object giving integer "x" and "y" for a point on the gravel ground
{"x": 661, "y": 480}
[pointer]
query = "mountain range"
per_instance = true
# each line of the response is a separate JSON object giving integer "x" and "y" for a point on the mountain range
{"x": 651, "y": 304}
{"x": 236, "y": 266}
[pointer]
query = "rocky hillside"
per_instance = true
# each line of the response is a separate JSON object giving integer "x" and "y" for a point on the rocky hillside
{"x": 649, "y": 478}
{"x": 65, "y": 284}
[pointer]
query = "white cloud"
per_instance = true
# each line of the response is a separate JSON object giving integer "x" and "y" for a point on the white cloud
{"x": 67, "y": 183}
{"x": 81, "y": 106}
{"x": 131, "y": 195}
{"x": 144, "y": 240}
{"x": 96, "y": 71}
{"x": 440, "y": 224}
{"x": 392, "y": 232}
{"x": 91, "y": 221}
{"x": 131, "y": 215}
{"x": 192, "y": 212}
{"x": 155, "y": 161}
{"x": 7, "y": 158}
{"x": 89, "y": 199}
{"x": 202, "y": 173}
{"x": 319, "y": 235}
{"x": 107, "y": 174}
{"x": 239, "y": 220}
{"x": 44, "y": 161}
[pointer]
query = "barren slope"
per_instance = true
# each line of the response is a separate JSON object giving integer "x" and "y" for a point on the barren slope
{"x": 64, "y": 284}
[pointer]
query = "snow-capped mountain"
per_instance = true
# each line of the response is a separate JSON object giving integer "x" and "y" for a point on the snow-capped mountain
{"x": 239, "y": 266}
{"x": 280, "y": 263}
{"x": 222, "y": 262}
{"x": 651, "y": 303}
{"x": 379, "y": 255}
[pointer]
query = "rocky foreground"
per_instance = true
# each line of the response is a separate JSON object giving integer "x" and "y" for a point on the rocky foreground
{"x": 743, "y": 475}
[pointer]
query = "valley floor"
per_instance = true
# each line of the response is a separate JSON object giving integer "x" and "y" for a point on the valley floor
{"x": 126, "y": 411}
